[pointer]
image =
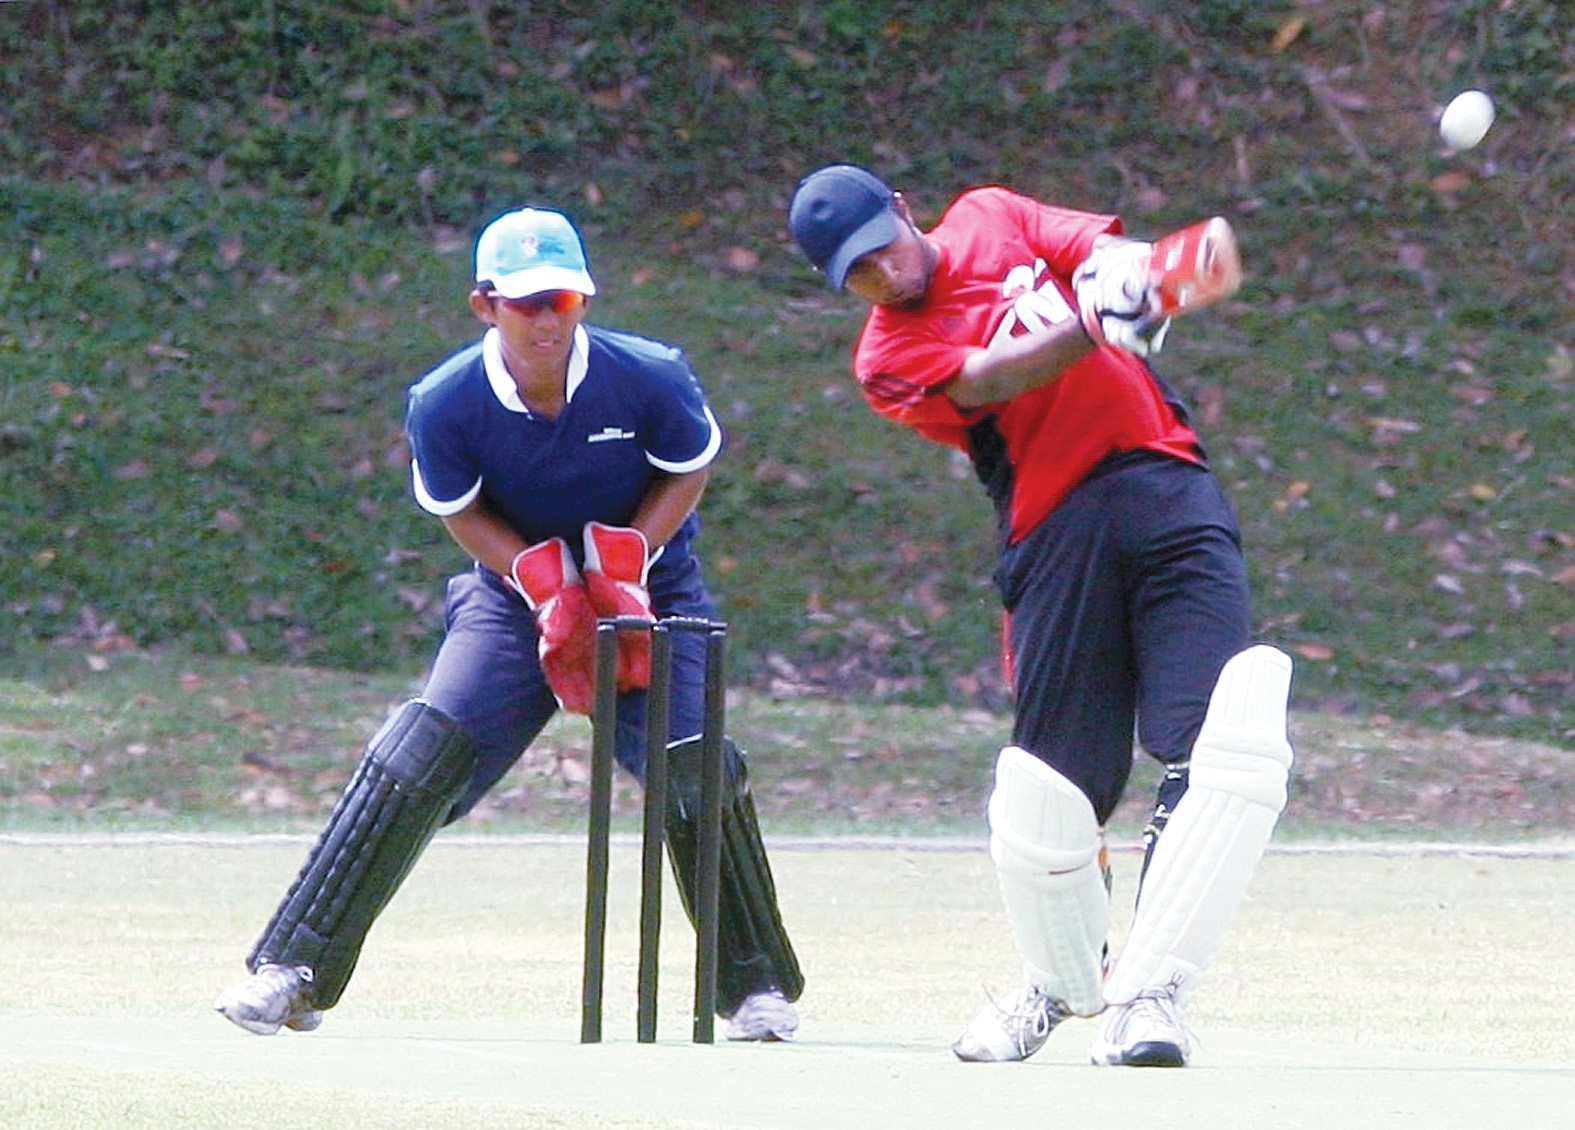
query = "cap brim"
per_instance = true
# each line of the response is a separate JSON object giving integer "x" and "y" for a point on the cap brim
{"x": 874, "y": 233}
{"x": 538, "y": 279}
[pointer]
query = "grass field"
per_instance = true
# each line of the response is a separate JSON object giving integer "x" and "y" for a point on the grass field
{"x": 1357, "y": 989}
{"x": 165, "y": 740}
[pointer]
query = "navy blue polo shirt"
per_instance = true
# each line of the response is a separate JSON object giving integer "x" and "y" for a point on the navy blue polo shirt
{"x": 634, "y": 407}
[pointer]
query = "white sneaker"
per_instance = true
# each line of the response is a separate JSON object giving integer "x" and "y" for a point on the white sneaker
{"x": 1146, "y": 1032}
{"x": 1011, "y": 1028}
{"x": 274, "y": 997}
{"x": 763, "y": 1016}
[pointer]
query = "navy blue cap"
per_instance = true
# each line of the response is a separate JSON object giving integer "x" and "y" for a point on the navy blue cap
{"x": 839, "y": 213}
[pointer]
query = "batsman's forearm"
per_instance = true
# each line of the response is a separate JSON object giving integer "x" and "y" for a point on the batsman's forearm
{"x": 1013, "y": 366}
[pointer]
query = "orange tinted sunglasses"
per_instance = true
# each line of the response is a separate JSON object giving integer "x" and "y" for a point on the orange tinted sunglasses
{"x": 561, "y": 302}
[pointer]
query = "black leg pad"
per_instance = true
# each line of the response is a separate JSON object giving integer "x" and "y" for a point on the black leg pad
{"x": 414, "y": 769}
{"x": 754, "y": 950}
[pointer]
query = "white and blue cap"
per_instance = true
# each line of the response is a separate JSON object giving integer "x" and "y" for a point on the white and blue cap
{"x": 840, "y": 213}
{"x": 529, "y": 251}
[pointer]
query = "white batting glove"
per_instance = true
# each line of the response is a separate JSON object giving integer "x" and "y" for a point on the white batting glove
{"x": 1116, "y": 298}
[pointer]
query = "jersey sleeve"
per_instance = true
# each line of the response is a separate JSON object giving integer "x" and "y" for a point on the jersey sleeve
{"x": 444, "y": 476}
{"x": 682, "y": 434}
{"x": 901, "y": 372}
{"x": 1063, "y": 236}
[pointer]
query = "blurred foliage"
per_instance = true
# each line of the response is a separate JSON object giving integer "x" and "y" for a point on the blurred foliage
{"x": 231, "y": 235}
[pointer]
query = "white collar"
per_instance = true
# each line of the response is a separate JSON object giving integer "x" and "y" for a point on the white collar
{"x": 502, "y": 382}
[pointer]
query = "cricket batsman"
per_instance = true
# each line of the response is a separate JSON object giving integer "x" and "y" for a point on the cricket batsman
{"x": 1018, "y": 332}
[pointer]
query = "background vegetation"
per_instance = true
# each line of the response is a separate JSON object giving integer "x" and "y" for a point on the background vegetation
{"x": 232, "y": 234}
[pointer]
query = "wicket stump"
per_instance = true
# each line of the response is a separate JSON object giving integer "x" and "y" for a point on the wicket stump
{"x": 653, "y": 837}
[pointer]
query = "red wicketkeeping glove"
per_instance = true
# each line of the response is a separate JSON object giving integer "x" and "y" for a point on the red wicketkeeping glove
{"x": 545, "y": 576}
{"x": 616, "y": 560}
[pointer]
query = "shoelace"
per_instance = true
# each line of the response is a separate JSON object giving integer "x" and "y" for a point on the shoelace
{"x": 1031, "y": 1020}
{"x": 1160, "y": 1008}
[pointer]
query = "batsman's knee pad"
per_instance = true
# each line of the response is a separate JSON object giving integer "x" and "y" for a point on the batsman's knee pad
{"x": 1046, "y": 844}
{"x": 1204, "y": 858}
{"x": 754, "y": 951}
{"x": 413, "y": 770}
{"x": 1243, "y": 749}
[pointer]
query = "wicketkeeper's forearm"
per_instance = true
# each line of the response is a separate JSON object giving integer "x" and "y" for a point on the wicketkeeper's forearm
{"x": 486, "y": 537}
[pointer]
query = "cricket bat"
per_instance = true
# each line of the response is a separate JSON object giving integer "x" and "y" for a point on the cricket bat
{"x": 1193, "y": 267}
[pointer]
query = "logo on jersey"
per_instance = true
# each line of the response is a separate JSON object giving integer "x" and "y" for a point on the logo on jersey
{"x": 1037, "y": 303}
{"x": 607, "y": 434}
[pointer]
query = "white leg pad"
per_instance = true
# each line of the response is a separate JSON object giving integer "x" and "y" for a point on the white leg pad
{"x": 1045, "y": 842}
{"x": 1207, "y": 853}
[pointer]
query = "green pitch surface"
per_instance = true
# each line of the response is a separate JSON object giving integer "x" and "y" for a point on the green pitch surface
{"x": 1355, "y": 991}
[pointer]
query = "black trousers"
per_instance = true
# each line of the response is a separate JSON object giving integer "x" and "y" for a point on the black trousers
{"x": 1125, "y": 603}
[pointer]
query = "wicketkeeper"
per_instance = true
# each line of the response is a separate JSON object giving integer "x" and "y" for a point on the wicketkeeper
{"x": 1016, "y": 331}
{"x": 568, "y": 461}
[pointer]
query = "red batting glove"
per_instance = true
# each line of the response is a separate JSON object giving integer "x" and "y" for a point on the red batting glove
{"x": 616, "y": 560}
{"x": 545, "y": 576}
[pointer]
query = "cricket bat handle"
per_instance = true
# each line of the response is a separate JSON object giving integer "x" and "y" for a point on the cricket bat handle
{"x": 1193, "y": 267}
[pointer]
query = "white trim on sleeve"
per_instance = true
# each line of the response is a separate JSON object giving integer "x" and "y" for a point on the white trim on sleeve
{"x": 713, "y": 445}
{"x": 432, "y": 505}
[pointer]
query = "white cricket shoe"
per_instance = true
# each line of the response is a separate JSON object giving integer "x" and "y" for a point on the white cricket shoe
{"x": 1011, "y": 1028}
{"x": 1145, "y": 1032}
{"x": 763, "y": 1016}
{"x": 274, "y": 997}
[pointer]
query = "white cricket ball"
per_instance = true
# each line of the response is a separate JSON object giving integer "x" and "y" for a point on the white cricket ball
{"x": 1466, "y": 119}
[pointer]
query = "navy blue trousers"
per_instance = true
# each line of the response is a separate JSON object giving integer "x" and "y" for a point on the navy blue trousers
{"x": 1125, "y": 603}
{"x": 487, "y": 677}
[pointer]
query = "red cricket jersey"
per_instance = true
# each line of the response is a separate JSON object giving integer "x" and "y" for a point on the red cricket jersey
{"x": 1005, "y": 267}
